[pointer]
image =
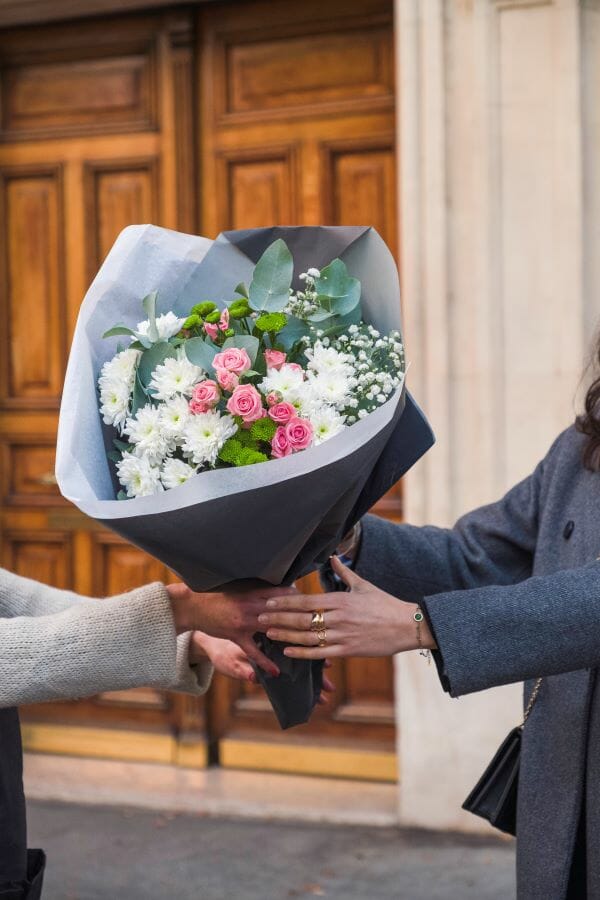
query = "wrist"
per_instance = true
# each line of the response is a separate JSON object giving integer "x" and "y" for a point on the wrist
{"x": 180, "y": 597}
{"x": 422, "y": 636}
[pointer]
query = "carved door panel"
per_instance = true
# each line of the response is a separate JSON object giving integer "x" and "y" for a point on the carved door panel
{"x": 95, "y": 134}
{"x": 297, "y": 105}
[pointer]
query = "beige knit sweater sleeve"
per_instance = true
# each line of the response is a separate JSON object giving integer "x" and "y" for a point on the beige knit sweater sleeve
{"x": 56, "y": 645}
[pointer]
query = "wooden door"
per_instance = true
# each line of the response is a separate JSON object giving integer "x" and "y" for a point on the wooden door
{"x": 96, "y": 133}
{"x": 228, "y": 115}
{"x": 297, "y": 127}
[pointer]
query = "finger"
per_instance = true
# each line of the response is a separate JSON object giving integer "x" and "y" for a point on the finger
{"x": 328, "y": 664}
{"x": 276, "y": 591}
{"x": 348, "y": 575}
{"x": 303, "y": 638}
{"x": 322, "y": 700}
{"x": 299, "y": 621}
{"x": 314, "y": 652}
{"x": 303, "y": 602}
{"x": 328, "y": 685}
{"x": 253, "y": 653}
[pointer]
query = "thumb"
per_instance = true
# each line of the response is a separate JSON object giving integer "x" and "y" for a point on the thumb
{"x": 348, "y": 576}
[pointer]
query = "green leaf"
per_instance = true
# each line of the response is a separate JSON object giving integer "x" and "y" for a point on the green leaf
{"x": 263, "y": 429}
{"x": 122, "y": 496}
{"x": 123, "y": 446}
{"x": 201, "y": 353}
{"x": 119, "y": 329}
{"x": 152, "y": 358}
{"x": 241, "y": 289}
{"x": 246, "y": 342}
{"x": 270, "y": 285}
{"x": 338, "y": 324}
{"x": 320, "y": 315}
{"x": 140, "y": 396}
{"x": 337, "y": 291}
{"x": 114, "y": 456}
{"x": 293, "y": 331}
{"x": 149, "y": 304}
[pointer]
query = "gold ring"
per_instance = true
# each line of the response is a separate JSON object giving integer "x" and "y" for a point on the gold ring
{"x": 322, "y": 636}
{"x": 317, "y": 622}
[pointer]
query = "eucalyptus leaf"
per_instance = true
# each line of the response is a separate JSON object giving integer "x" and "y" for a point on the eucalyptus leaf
{"x": 337, "y": 291}
{"x": 320, "y": 315}
{"x": 242, "y": 289}
{"x": 152, "y": 358}
{"x": 140, "y": 397}
{"x": 338, "y": 324}
{"x": 294, "y": 330}
{"x": 114, "y": 456}
{"x": 246, "y": 342}
{"x": 272, "y": 278}
{"x": 119, "y": 329}
{"x": 149, "y": 304}
{"x": 201, "y": 353}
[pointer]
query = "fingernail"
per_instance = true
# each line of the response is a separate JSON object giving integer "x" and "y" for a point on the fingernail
{"x": 271, "y": 603}
{"x": 275, "y": 673}
{"x": 263, "y": 619}
{"x": 252, "y": 678}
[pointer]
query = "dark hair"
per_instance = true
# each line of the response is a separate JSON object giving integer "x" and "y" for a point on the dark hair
{"x": 588, "y": 422}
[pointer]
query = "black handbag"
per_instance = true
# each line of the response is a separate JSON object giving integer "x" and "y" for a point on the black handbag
{"x": 494, "y": 797}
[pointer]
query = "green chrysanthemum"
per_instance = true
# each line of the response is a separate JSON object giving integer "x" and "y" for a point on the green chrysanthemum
{"x": 271, "y": 322}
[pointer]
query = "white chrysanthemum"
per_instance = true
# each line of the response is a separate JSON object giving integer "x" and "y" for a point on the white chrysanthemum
{"x": 331, "y": 387}
{"x": 205, "y": 434}
{"x": 328, "y": 359}
{"x": 137, "y": 476}
{"x": 175, "y": 472}
{"x": 175, "y": 376}
{"x": 114, "y": 402}
{"x": 326, "y": 423}
{"x": 174, "y": 415}
{"x": 146, "y": 432}
{"x": 288, "y": 381}
{"x": 167, "y": 325}
{"x": 116, "y": 385}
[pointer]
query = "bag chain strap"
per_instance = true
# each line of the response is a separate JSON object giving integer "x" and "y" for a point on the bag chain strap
{"x": 532, "y": 699}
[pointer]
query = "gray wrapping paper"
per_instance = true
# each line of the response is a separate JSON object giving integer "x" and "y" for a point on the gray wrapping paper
{"x": 273, "y": 521}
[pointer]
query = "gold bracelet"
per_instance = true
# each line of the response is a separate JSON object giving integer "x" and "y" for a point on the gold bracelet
{"x": 418, "y": 619}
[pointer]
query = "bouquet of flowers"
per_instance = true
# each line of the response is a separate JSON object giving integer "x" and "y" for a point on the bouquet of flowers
{"x": 271, "y": 345}
{"x": 271, "y": 373}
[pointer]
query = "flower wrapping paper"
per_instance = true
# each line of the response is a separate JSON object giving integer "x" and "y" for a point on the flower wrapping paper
{"x": 272, "y": 522}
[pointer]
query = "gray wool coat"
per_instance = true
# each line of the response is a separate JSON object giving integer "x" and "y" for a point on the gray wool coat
{"x": 512, "y": 592}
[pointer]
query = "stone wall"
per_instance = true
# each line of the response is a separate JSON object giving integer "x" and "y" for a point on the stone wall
{"x": 499, "y": 125}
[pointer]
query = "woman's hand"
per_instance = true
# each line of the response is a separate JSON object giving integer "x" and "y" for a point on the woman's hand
{"x": 227, "y": 658}
{"x": 361, "y": 622}
{"x": 232, "y": 616}
{"x": 230, "y": 660}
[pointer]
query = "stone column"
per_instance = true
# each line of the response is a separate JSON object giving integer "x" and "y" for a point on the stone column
{"x": 498, "y": 134}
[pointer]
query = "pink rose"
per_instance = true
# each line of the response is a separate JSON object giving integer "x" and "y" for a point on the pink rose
{"x": 295, "y": 367}
{"x": 273, "y": 398}
{"x": 224, "y": 320}
{"x": 274, "y": 359}
{"x": 234, "y": 359}
{"x": 205, "y": 396}
{"x": 227, "y": 380}
{"x": 211, "y": 330}
{"x": 280, "y": 446}
{"x": 246, "y": 402}
{"x": 299, "y": 433}
{"x": 281, "y": 413}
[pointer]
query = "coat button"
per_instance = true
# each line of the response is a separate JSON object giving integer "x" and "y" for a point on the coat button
{"x": 569, "y": 528}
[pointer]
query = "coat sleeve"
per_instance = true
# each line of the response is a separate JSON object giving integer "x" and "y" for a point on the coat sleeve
{"x": 545, "y": 625}
{"x": 56, "y": 645}
{"x": 492, "y": 545}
